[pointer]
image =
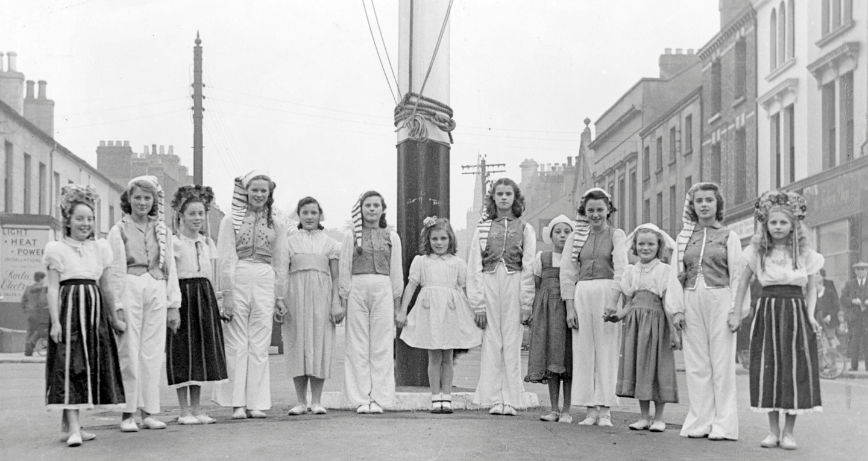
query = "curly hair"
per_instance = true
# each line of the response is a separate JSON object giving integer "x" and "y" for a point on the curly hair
{"x": 146, "y": 186}
{"x": 373, "y": 193}
{"x": 67, "y": 213}
{"x": 797, "y": 241}
{"x": 517, "y": 203}
{"x": 308, "y": 201}
{"x": 269, "y": 204}
{"x": 691, "y": 209}
{"x": 189, "y": 194}
{"x": 661, "y": 244}
{"x": 425, "y": 239}
{"x": 596, "y": 195}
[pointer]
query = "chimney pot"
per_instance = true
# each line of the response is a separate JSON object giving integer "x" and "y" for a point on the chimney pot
{"x": 171, "y": 150}
{"x": 126, "y": 144}
{"x": 102, "y": 144}
{"x": 154, "y": 149}
{"x": 111, "y": 143}
{"x": 162, "y": 150}
{"x": 1, "y": 61}
{"x": 146, "y": 150}
{"x": 13, "y": 61}
{"x": 690, "y": 51}
{"x": 678, "y": 50}
{"x": 569, "y": 161}
{"x": 43, "y": 91}
{"x": 30, "y": 84}
{"x": 668, "y": 51}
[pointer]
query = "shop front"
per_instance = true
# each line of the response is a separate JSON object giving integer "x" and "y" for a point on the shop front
{"x": 22, "y": 243}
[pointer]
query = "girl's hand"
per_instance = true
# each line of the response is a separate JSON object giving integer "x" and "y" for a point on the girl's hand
{"x": 621, "y": 314}
{"x": 481, "y": 320}
{"x": 815, "y": 325}
{"x": 279, "y": 311}
{"x": 337, "y": 314}
{"x": 56, "y": 332}
{"x": 173, "y": 319}
{"x": 678, "y": 321}
{"x": 734, "y": 321}
{"x": 218, "y": 296}
{"x": 400, "y": 320}
{"x": 228, "y": 309}
{"x": 119, "y": 325}
{"x": 572, "y": 318}
{"x": 675, "y": 341}
{"x": 525, "y": 316}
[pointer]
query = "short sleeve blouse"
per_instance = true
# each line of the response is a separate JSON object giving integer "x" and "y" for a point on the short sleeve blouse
{"x": 778, "y": 266}
{"x": 78, "y": 260}
{"x": 652, "y": 277}
{"x": 194, "y": 256}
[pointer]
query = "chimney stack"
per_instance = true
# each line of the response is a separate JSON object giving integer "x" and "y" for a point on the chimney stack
{"x": 43, "y": 91}
{"x": 146, "y": 150}
{"x": 672, "y": 64}
{"x": 29, "y": 94}
{"x": 39, "y": 110}
{"x": 13, "y": 61}
{"x": 170, "y": 150}
{"x": 12, "y": 84}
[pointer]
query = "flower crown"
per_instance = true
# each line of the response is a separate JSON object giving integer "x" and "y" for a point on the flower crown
{"x": 186, "y": 193}
{"x": 429, "y": 221}
{"x": 782, "y": 199}
{"x": 74, "y": 194}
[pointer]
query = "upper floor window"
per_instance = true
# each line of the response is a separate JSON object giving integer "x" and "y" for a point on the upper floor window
{"x": 673, "y": 149}
{"x": 716, "y": 88}
{"x": 773, "y": 40}
{"x": 740, "y": 69}
{"x": 835, "y": 13}
{"x": 688, "y": 134}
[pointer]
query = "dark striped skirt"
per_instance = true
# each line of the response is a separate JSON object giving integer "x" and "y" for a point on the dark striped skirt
{"x": 195, "y": 354}
{"x": 82, "y": 370}
{"x": 784, "y": 371}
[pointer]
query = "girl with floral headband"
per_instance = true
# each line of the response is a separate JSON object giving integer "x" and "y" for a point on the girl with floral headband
{"x": 784, "y": 366}
{"x": 146, "y": 281}
{"x": 251, "y": 270}
{"x": 194, "y": 353}
{"x": 441, "y": 320}
{"x": 590, "y": 287}
{"x": 500, "y": 287}
{"x": 371, "y": 284}
{"x": 705, "y": 276}
{"x": 82, "y": 367}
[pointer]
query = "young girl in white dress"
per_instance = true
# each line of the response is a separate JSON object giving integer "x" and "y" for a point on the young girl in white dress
{"x": 441, "y": 319}
{"x": 313, "y": 306}
{"x": 784, "y": 365}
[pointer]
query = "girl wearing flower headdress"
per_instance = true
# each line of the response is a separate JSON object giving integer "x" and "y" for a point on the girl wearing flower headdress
{"x": 371, "y": 284}
{"x": 646, "y": 370}
{"x": 251, "y": 267}
{"x": 705, "y": 276}
{"x": 146, "y": 281}
{"x": 194, "y": 353}
{"x": 590, "y": 286}
{"x": 314, "y": 306}
{"x": 82, "y": 367}
{"x": 501, "y": 288}
{"x": 784, "y": 366}
{"x": 441, "y": 319}
{"x": 550, "y": 359}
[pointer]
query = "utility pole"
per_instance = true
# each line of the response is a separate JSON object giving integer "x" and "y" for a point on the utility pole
{"x": 482, "y": 169}
{"x": 197, "y": 112}
{"x": 424, "y": 121}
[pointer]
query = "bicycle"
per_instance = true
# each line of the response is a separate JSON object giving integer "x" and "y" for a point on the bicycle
{"x": 832, "y": 363}
{"x": 41, "y": 346}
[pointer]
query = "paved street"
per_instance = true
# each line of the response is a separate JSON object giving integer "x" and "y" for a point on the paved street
{"x": 28, "y": 432}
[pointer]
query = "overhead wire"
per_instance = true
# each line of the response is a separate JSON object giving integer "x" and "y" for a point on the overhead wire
{"x": 385, "y": 48}
{"x": 227, "y": 133}
{"x": 377, "y": 49}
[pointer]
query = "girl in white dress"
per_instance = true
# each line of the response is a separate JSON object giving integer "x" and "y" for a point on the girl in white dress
{"x": 313, "y": 305}
{"x": 441, "y": 319}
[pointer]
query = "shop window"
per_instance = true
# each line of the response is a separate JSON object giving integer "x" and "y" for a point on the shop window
{"x": 833, "y": 242}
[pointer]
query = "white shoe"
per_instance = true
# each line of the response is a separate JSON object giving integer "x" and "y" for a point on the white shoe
{"x": 239, "y": 413}
{"x": 256, "y": 414}
{"x": 74, "y": 440}
{"x": 205, "y": 419}
{"x": 153, "y": 423}
{"x": 590, "y": 420}
{"x": 299, "y": 409}
{"x": 508, "y": 410}
{"x": 363, "y": 409}
{"x": 376, "y": 409}
{"x": 188, "y": 420}
{"x": 658, "y": 426}
{"x": 318, "y": 410}
{"x": 129, "y": 425}
{"x": 565, "y": 418}
{"x": 496, "y": 410}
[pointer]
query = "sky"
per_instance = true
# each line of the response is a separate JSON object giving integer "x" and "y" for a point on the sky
{"x": 295, "y": 87}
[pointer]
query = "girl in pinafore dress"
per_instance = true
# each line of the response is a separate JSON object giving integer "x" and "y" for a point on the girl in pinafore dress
{"x": 550, "y": 359}
{"x": 784, "y": 366}
{"x": 646, "y": 370}
{"x": 441, "y": 319}
{"x": 82, "y": 369}
{"x": 194, "y": 353}
{"x": 313, "y": 305}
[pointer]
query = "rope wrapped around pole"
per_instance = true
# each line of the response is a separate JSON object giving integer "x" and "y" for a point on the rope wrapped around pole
{"x": 414, "y": 109}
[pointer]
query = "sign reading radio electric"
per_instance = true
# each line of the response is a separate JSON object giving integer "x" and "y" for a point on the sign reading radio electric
{"x": 837, "y": 197}
{"x": 21, "y": 250}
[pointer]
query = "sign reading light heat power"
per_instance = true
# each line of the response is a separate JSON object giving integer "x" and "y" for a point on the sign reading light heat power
{"x": 21, "y": 250}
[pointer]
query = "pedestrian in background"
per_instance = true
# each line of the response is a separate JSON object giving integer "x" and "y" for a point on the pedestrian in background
{"x": 313, "y": 305}
{"x": 371, "y": 284}
{"x": 252, "y": 266}
{"x": 550, "y": 359}
{"x": 784, "y": 366}
{"x": 500, "y": 288}
{"x": 195, "y": 352}
{"x": 82, "y": 370}
{"x": 707, "y": 270}
{"x": 441, "y": 319}
{"x": 828, "y": 307}
{"x": 34, "y": 302}
{"x": 646, "y": 369}
{"x": 854, "y": 303}
{"x": 144, "y": 278}
{"x": 590, "y": 284}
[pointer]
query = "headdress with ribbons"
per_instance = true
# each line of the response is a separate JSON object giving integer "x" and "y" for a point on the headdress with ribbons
{"x": 582, "y": 228}
{"x": 774, "y": 200}
{"x": 239, "y": 196}
{"x": 186, "y": 193}
{"x": 357, "y": 221}
{"x": 686, "y": 231}
{"x": 667, "y": 240}
{"x": 162, "y": 230}
{"x": 73, "y": 194}
{"x": 547, "y": 230}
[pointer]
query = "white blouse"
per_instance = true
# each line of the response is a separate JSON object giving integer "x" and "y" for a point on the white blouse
{"x": 78, "y": 260}
{"x": 194, "y": 256}
{"x": 313, "y": 242}
{"x": 778, "y": 267}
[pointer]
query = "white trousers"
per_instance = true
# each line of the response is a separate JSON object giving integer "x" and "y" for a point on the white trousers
{"x": 142, "y": 346}
{"x": 596, "y": 346}
{"x": 369, "y": 366}
{"x": 247, "y": 338}
{"x": 709, "y": 363}
{"x": 500, "y": 379}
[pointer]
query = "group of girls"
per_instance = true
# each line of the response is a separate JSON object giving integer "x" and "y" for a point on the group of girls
{"x": 146, "y": 280}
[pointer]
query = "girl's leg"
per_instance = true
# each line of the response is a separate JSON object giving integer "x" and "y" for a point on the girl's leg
{"x": 554, "y": 392}
{"x": 659, "y": 407}
{"x": 300, "y": 389}
{"x": 644, "y": 409}
{"x": 182, "y": 400}
{"x": 568, "y": 395}
{"x": 789, "y": 425}
{"x": 446, "y": 372}
{"x": 71, "y": 417}
{"x": 435, "y": 362}
{"x": 316, "y": 385}
{"x": 774, "y": 423}
{"x": 195, "y": 393}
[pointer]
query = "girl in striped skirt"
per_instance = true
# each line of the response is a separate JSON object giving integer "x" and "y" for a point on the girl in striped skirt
{"x": 82, "y": 370}
{"x": 784, "y": 375}
{"x": 194, "y": 353}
